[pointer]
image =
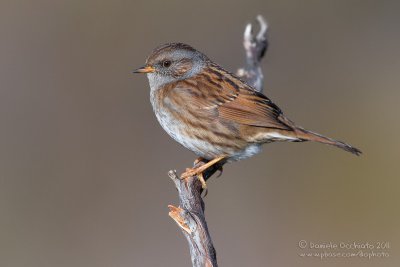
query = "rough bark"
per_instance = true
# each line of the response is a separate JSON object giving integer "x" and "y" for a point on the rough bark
{"x": 190, "y": 214}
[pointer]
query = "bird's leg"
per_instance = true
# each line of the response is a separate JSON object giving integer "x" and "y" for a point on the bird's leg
{"x": 198, "y": 161}
{"x": 202, "y": 181}
{"x": 200, "y": 176}
{"x": 204, "y": 161}
{"x": 198, "y": 171}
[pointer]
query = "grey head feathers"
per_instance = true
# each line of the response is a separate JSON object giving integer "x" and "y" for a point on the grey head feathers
{"x": 173, "y": 62}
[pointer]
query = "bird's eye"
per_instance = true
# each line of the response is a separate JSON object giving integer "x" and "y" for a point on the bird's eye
{"x": 166, "y": 63}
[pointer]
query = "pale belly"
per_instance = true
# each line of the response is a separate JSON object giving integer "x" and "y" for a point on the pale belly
{"x": 200, "y": 147}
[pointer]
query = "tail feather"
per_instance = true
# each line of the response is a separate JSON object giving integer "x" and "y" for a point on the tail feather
{"x": 305, "y": 135}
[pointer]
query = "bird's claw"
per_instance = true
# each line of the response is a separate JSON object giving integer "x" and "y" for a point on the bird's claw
{"x": 190, "y": 172}
{"x": 220, "y": 171}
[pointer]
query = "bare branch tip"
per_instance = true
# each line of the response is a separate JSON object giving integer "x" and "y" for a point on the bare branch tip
{"x": 261, "y": 20}
{"x": 248, "y": 32}
{"x": 172, "y": 175}
{"x": 263, "y": 28}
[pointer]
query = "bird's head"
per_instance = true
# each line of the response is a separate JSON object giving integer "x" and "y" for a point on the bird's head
{"x": 172, "y": 62}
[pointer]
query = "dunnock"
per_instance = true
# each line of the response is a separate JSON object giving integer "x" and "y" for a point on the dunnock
{"x": 212, "y": 112}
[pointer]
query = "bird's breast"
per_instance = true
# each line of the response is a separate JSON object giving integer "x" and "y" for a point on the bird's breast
{"x": 207, "y": 137}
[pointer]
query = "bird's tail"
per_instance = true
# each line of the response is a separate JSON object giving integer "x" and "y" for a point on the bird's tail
{"x": 305, "y": 135}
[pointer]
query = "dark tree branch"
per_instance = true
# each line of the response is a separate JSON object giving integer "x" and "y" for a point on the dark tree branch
{"x": 190, "y": 214}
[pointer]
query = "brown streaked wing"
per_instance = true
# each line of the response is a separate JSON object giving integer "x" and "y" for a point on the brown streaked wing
{"x": 253, "y": 109}
{"x": 220, "y": 94}
{"x": 199, "y": 94}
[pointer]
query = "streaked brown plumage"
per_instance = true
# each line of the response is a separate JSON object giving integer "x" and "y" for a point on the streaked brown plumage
{"x": 212, "y": 112}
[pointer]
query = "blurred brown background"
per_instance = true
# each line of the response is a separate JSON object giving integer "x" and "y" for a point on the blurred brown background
{"x": 83, "y": 161}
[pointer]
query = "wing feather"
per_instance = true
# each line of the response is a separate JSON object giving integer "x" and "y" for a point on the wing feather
{"x": 226, "y": 97}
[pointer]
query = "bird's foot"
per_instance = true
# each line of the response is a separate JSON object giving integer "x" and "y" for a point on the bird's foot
{"x": 198, "y": 171}
{"x": 190, "y": 172}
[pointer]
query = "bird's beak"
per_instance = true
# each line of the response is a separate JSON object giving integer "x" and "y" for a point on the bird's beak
{"x": 144, "y": 69}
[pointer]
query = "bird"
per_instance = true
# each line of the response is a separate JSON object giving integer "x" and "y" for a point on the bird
{"x": 214, "y": 113}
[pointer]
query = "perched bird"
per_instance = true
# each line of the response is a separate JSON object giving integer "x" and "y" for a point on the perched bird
{"x": 212, "y": 112}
